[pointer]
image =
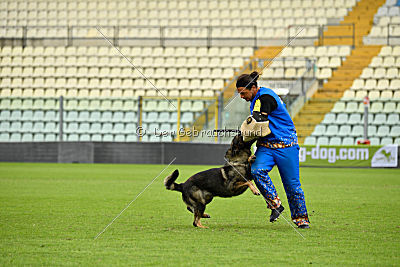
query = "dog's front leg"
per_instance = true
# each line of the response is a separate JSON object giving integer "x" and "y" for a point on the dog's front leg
{"x": 252, "y": 188}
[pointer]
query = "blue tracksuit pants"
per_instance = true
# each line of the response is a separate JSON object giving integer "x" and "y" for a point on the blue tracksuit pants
{"x": 287, "y": 160}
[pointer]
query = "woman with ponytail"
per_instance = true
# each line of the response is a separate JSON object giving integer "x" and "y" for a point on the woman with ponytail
{"x": 279, "y": 148}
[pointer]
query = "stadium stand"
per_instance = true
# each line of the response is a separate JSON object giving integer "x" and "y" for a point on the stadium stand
{"x": 386, "y": 28}
{"x": 379, "y": 81}
{"x": 101, "y": 89}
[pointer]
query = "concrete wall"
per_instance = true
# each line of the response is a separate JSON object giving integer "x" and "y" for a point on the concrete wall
{"x": 93, "y": 152}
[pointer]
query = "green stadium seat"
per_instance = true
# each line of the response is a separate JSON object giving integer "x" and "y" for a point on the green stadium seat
{"x": 51, "y": 127}
{"x": 95, "y": 116}
{"x": 71, "y": 116}
{"x": 51, "y": 115}
{"x": 95, "y": 127}
{"x": 119, "y": 138}
{"x": 72, "y": 137}
{"x": 348, "y": 141}
{"x": 27, "y": 137}
{"x": 38, "y": 137}
{"x": 150, "y": 105}
{"x": 131, "y": 138}
{"x": 27, "y": 115}
{"x": 375, "y": 141}
{"x": 117, "y": 105}
{"x": 94, "y": 104}
{"x": 51, "y": 137}
{"x": 71, "y": 104}
{"x": 376, "y": 107}
{"x": 38, "y": 127}
{"x": 16, "y": 126}
{"x": 130, "y": 116}
{"x": 319, "y": 130}
{"x": 5, "y": 115}
{"x": 354, "y": 118}
{"x": 165, "y": 127}
{"x": 38, "y": 104}
{"x": 118, "y": 116}
{"x": 96, "y": 138}
{"x": 71, "y": 127}
{"x": 108, "y": 138}
{"x": 344, "y": 130}
{"x": 5, "y": 126}
{"x": 83, "y": 104}
{"x": 118, "y": 128}
{"x": 83, "y": 116}
{"x": 389, "y": 107}
{"x": 16, "y": 115}
{"x": 52, "y": 104}
{"x": 106, "y": 127}
{"x": 150, "y": 117}
{"x": 386, "y": 141}
{"x": 84, "y": 127}
{"x": 310, "y": 140}
{"x": 4, "y": 137}
{"x": 351, "y": 107}
{"x": 130, "y": 128}
{"x": 27, "y": 104}
{"x": 395, "y": 131}
{"x": 130, "y": 105}
{"x": 186, "y": 105}
{"x": 379, "y": 119}
{"x": 5, "y": 104}
{"x": 106, "y": 104}
{"x": 372, "y": 130}
{"x": 397, "y": 140}
{"x": 84, "y": 138}
{"x": 27, "y": 126}
{"x": 323, "y": 141}
{"x": 339, "y": 107}
{"x": 15, "y": 137}
{"x": 173, "y": 117}
{"x": 393, "y": 119}
{"x": 335, "y": 141}
{"x": 383, "y": 131}
{"x": 187, "y": 117}
{"x": 332, "y": 130}
{"x": 342, "y": 118}
{"x": 106, "y": 116}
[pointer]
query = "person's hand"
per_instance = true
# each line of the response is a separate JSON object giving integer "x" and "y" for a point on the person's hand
{"x": 252, "y": 158}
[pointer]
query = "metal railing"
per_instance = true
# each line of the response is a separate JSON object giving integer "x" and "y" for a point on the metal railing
{"x": 321, "y": 32}
{"x": 160, "y": 35}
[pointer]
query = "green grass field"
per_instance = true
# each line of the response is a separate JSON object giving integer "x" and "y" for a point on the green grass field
{"x": 50, "y": 214}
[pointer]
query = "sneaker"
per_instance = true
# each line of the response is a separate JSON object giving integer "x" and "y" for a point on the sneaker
{"x": 275, "y": 213}
{"x": 303, "y": 226}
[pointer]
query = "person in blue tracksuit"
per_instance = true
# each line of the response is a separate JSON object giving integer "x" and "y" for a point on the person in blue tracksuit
{"x": 279, "y": 148}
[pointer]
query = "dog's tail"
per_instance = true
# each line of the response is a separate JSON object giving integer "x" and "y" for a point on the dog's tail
{"x": 170, "y": 184}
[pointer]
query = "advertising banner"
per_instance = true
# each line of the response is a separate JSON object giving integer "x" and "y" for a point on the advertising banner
{"x": 349, "y": 156}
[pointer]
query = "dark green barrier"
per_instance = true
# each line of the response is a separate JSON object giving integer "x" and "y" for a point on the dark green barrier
{"x": 349, "y": 156}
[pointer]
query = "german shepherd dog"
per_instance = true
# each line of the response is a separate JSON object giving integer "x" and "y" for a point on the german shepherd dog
{"x": 230, "y": 180}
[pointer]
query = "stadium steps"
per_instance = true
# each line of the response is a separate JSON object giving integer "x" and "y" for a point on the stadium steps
{"x": 362, "y": 16}
{"x": 342, "y": 79}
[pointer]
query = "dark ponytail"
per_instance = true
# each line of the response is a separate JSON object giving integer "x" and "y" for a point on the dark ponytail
{"x": 248, "y": 80}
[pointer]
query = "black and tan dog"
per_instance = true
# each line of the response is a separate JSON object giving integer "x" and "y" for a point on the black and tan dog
{"x": 230, "y": 180}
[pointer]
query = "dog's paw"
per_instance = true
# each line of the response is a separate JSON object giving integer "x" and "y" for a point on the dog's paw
{"x": 206, "y": 215}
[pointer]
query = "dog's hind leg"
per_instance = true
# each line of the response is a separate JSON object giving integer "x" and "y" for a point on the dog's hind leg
{"x": 205, "y": 215}
{"x": 198, "y": 214}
